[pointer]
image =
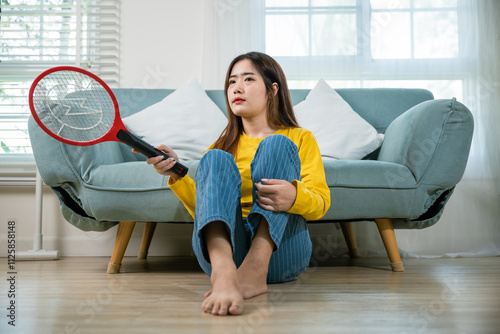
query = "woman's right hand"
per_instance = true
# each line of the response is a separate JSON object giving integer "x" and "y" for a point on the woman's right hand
{"x": 163, "y": 167}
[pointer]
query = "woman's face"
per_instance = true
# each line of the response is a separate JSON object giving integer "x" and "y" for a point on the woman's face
{"x": 246, "y": 93}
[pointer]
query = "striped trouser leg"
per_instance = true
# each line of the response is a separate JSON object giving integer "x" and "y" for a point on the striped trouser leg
{"x": 277, "y": 158}
{"x": 218, "y": 198}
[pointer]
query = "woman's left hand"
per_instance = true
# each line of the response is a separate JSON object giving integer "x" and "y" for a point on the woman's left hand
{"x": 275, "y": 195}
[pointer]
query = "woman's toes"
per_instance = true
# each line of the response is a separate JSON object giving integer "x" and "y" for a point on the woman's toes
{"x": 207, "y": 306}
{"x": 221, "y": 311}
{"x": 235, "y": 309}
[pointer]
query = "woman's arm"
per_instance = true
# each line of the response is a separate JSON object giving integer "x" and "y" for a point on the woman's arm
{"x": 184, "y": 188}
{"x": 309, "y": 197}
{"x": 313, "y": 194}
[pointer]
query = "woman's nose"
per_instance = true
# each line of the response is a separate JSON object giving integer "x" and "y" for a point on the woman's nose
{"x": 237, "y": 88}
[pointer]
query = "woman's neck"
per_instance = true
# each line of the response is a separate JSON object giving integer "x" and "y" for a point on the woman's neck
{"x": 257, "y": 128}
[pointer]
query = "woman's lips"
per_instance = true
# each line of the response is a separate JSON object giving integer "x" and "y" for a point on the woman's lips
{"x": 238, "y": 100}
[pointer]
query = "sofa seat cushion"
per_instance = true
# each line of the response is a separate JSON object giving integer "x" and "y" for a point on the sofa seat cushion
{"x": 367, "y": 174}
{"x": 133, "y": 190}
{"x": 127, "y": 176}
{"x": 364, "y": 186}
{"x": 367, "y": 189}
{"x": 130, "y": 176}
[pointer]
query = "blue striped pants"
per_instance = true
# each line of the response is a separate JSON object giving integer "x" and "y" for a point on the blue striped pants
{"x": 218, "y": 198}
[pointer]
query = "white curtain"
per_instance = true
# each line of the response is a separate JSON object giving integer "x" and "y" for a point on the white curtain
{"x": 231, "y": 28}
{"x": 470, "y": 225}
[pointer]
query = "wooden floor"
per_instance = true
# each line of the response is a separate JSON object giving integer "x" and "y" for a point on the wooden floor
{"x": 163, "y": 295}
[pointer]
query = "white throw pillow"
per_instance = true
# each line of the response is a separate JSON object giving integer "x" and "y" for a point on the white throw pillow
{"x": 187, "y": 120}
{"x": 340, "y": 132}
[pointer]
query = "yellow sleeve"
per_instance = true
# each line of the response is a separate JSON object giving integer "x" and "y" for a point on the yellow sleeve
{"x": 185, "y": 189}
{"x": 313, "y": 194}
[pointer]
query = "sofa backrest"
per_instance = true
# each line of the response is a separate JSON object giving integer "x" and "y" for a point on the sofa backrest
{"x": 378, "y": 106}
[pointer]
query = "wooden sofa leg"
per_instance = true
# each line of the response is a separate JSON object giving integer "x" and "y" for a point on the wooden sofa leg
{"x": 386, "y": 230}
{"x": 147, "y": 236}
{"x": 349, "y": 239}
{"x": 123, "y": 234}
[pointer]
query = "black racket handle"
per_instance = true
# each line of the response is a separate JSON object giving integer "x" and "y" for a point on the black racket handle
{"x": 148, "y": 150}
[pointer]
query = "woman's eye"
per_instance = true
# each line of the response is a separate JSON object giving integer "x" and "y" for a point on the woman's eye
{"x": 249, "y": 79}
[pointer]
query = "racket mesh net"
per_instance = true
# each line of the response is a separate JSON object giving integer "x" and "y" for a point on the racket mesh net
{"x": 73, "y": 106}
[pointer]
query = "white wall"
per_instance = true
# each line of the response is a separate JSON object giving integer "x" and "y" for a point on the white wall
{"x": 161, "y": 43}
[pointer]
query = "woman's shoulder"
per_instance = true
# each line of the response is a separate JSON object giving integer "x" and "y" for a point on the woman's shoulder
{"x": 299, "y": 136}
{"x": 298, "y": 133}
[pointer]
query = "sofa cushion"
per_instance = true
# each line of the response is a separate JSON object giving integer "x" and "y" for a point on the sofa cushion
{"x": 368, "y": 174}
{"x": 186, "y": 120}
{"x": 340, "y": 132}
{"x": 144, "y": 198}
{"x": 123, "y": 177}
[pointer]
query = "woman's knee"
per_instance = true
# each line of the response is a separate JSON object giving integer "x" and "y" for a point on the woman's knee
{"x": 218, "y": 180}
{"x": 277, "y": 157}
{"x": 215, "y": 157}
{"x": 278, "y": 144}
{"x": 217, "y": 162}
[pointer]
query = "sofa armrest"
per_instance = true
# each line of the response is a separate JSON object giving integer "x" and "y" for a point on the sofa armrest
{"x": 60, "y": 163}
{"x": 433, "y": 140}
{"x": 49, "y": 158}
{"x": 63, "y": 167}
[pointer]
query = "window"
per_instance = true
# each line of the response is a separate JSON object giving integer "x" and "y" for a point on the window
{"x": 300, "y": 28}
{"x": 39, "y": 34}
{"x": 363, "y": 43}
{"x": 417, "y": 29}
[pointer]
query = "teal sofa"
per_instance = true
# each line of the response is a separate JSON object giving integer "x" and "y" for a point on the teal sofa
{"x": 404, "y": 184}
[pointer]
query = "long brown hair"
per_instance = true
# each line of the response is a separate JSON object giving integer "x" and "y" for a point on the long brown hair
{"x": 279, "y": 107}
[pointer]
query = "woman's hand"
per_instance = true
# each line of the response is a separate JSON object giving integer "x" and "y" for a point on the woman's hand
{"x": 163, "y": 166}
{"x": 275, "y": 195}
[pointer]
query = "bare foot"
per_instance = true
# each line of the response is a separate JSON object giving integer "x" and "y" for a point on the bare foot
{"x": 225, "y": 296}
{"x": 253, "y": 278}
{"x": 250, "y": 279}
{"x": 250, "y": 283}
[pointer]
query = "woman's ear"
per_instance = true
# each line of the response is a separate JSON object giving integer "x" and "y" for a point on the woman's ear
{"x": 275, "y": 88}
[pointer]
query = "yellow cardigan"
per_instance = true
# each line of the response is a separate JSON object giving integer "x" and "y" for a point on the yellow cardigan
{"x": 313, "y": 194}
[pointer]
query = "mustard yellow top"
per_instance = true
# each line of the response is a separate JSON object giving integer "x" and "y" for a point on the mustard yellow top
{"x": 313, "y": 194}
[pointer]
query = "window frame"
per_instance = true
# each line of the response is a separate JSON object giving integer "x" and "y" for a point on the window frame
{"x": 363, "y": 66}
{"x": 95, "y": 25}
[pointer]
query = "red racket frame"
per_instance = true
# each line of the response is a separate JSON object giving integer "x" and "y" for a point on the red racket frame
{"x": 108, "y": 136}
